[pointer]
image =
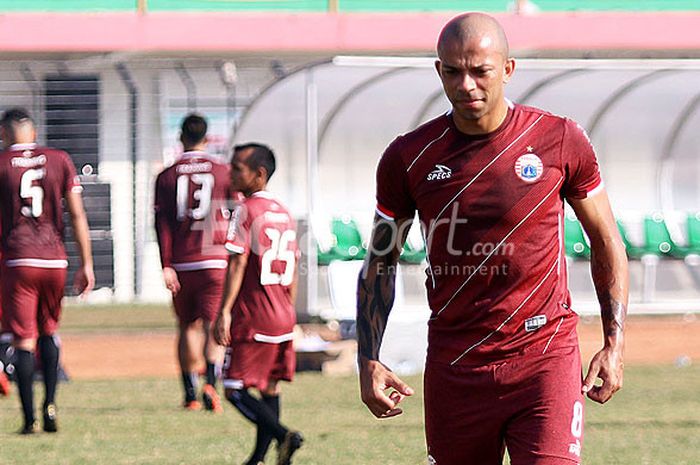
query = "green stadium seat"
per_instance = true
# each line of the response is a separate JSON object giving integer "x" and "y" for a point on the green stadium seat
{"x": 633, "y": 251}
{"x": 411, "y": 254}
{"x": 346, "y": 244}
{"x": 349, "y": 240}
{"x": 693, "y": 225}
{"x": 575, "y": 243}
{"x": 658, "y": 238}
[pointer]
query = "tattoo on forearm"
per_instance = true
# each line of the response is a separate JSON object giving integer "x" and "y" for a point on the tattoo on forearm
{"x": 375, "y": 290}
{"x": 612, "y": 310}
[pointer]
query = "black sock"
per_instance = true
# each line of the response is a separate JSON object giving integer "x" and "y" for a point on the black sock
{"x": 49, "y": 353}
{"x": 258, "y": 412}
{"x": 24, "y": 372}
{"x": 211, "y": 373}
{"x": 189, "y": 382}
{"x": 264, "y": 436}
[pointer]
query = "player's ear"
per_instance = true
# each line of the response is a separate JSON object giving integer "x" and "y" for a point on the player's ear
{"x": 508, "y": 70}
{"x": 438, "y": 66}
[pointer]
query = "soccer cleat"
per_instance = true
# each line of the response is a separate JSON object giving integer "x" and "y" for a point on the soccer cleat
{"x": 50, "y": 424}
{"x": 211, "y": 399}
{"x": 192, "y": 405}
{"x": 4, "y": 384}
{"x": 292, "y": 441}
{"x": 29, "y": 428}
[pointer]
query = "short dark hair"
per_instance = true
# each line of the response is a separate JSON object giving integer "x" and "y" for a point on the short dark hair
{"x": 261, "y": 155}
{"x": 193, "y": 129}
{"x": 15, "y": 115}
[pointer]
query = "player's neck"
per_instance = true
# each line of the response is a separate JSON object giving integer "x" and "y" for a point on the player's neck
{"x": 484, "y": 125}
{"x": 254, "y": 191}
{"x": 195, "y": 148}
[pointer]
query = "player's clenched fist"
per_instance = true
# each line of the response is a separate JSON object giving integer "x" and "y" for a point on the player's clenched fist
{"x": 375, "y": 379}
{"x": 606, "y": 365}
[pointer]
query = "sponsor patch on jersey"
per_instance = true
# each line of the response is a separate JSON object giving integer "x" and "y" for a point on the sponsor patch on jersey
{"x": 440, "y": 172}
{"x": 529, "y": 167}
{"x": 535, "y": 323}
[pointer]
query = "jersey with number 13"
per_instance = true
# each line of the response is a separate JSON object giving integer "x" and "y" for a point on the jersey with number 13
{"x": 262, "y": 228}
{"x": 191, "y": 207}
{"x": 33, "y": 183}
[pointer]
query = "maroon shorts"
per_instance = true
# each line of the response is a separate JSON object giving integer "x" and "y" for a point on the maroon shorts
{"x": 31, "y": 300}
{"x": 200, "y": 294}
{"x": 531, "y": 404}
{"x": 254, "y": 364}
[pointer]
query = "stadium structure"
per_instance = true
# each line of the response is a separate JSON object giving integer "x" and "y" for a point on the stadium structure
{"x": 328, "y": 84}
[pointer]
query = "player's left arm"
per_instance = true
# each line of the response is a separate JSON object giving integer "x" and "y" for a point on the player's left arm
{"x": 611, "y": 281}
{"x": 85, "y": 276}
{"x": 232, "y": 286}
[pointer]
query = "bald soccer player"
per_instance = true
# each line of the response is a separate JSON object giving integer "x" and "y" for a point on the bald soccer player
{"x": 489, "y": 180}
{"x": 34, "y": 183}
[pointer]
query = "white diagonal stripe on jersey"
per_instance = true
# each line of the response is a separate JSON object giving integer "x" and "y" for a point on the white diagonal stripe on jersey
{"x": 555, "y": 333}
{"x": 426, "y": 148}
{"x": 476, "y": 270}
{"x": 439, "y": 215}
{"x": 510, "y": 317}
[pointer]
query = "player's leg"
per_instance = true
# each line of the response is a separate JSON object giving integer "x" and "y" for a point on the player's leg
{"x": 189, "y": 339}
{"x": 209, "y": 300}
{"x": 49, "y": 313}
{"x": 283, "y": 370}
{"x": 213, "y": 355}
{"x": 548, "y": 429}
{"x": 20, "y": 301}
{"x": 463, "y": 421}
{"x": 250, "y": 365}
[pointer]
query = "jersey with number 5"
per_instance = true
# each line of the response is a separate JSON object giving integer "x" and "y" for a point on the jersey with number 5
{"x": 191, "y": 207}
{"x": 33, "y": 183}
{"x": 262, "y": 228}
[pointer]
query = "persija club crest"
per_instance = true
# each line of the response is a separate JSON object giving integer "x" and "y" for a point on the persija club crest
{"x": 529, "y": 167}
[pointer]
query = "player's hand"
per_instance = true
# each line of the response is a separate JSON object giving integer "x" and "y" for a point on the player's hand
{"x": 606, "y": 365}
{"x": 171, "y": 281}
{"x": 375, "y": 379}
{"x": 222, "y": 329}
{"x": 84, "y": 281}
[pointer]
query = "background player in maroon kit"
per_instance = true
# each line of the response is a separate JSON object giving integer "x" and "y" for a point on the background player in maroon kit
{"x": 503, "y": 367}
{"x": 33, "y": 183}
{"x": 257, "y": 314}
{"x": 191, "y": 206}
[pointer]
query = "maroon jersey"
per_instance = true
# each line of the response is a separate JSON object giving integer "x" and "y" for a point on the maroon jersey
{"x": 33, "y": 183}
{"x": 262, "y": 228}
{"x": 491, "y": 209}
{"x": 191, "y": 206}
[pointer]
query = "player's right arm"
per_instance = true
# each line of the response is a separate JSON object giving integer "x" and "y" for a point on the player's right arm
{"x": 232, "y": 286}
{"x": 375, "y": 297}
{"x": 164, "y": 235}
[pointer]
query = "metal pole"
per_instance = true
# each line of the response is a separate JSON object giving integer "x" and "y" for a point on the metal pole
{"x": 190, "y": 86}
{"x": 333, "y": 6}
{"x": 141, "y": 6}
{"x": 126, "y": 78}
{"x": 312, "y": 188}
{"x": 229, "y": 77}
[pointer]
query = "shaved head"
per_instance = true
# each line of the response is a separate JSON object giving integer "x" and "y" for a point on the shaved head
{"x": 474, "y": 26}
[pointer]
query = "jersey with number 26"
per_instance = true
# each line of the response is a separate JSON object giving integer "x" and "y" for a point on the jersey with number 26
{"x": 262, "y": 228}
{"x": 33, "y": 183}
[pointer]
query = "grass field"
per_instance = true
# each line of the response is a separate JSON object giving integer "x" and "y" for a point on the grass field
{"x": 654, "y": 420}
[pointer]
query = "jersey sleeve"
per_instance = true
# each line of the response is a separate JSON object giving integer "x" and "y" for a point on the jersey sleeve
{"x": 582, "y": 173}
{"x": 394, "y": 198}
{"x": 164, "y": 231}
{"x": 238, "y": 236}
